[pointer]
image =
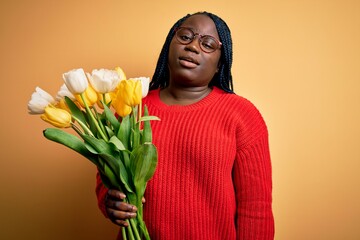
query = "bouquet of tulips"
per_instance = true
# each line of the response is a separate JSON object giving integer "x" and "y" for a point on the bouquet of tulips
{"x": 120, "y": 145}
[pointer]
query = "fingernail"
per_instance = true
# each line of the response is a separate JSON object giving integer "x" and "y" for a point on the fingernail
{"x": 122, "y": 195}
{"x": 134, "y": 208}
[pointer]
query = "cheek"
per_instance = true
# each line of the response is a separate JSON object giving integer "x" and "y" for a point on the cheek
{"x": 172, "y": 53}
{"x": 213, "y": 63}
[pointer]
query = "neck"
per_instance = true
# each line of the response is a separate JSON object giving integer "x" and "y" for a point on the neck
{"x": 183, "y": 96}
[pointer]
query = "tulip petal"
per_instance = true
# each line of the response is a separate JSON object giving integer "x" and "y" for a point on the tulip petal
{"x": 76, "y": 81}
{"x": 39, "y": 100}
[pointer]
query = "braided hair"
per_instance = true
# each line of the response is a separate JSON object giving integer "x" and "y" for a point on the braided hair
{"x": 222, "y": 79}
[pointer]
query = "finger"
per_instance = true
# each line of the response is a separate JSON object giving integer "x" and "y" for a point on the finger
{"x": 119, "y": 217}
{"x": 113, "y": 219}
{"x": 121, "y": 223}
{"x": 115, "y": 194}
{"x": 119, "y": 205}
{"x": 143, "y": 200}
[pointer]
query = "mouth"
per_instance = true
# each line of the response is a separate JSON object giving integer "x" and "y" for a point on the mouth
{"x": 188, "y": 59}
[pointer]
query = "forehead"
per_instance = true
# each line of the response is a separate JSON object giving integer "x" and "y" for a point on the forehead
{"x": 201, "y": 24}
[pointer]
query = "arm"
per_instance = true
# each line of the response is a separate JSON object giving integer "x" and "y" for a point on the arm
{"x": 253, "y": 188}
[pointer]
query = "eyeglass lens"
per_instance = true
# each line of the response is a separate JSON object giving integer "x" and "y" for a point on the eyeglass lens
{"x": 207, "y": 43}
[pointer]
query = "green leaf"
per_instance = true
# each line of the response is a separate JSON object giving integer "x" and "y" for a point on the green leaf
{"x": 99, "y": 144}
{"x": 125, "y": 131}
{"x": 126, "y": 159}
{"x": 143, "y": 162}
{"x": 118, "y": 168}
{"x": 71, "y": 142}
{"x": 108, "y": 177}
{"x": 147, "y": 133}
{"x": 111, "y": 157}
{"x": 111, "y": 118}
{"x": 91, "y": 149}
{"x": 148, "y": 118}
{"x": 135, "y": 136}
{"x": 119, "y": 145}
{"x": 109, "y": 132}
{"x": 75, "y": 110}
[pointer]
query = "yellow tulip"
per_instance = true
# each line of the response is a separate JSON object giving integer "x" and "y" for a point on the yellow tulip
{"x": 57, "y": 117}
{"x": 130, "y": 91}
{"x": 101, "y": 98}
{"x": 121, "y": 73}
{"x": 121, "y": 108}
{"x": 90, "y": 96}
{"x": 62, "y": 104}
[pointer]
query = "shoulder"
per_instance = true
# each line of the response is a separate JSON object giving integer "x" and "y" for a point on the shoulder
{"x": 238, "y": 105}
{"x": 246, "y": 117}
{"x": 151, "y": 96}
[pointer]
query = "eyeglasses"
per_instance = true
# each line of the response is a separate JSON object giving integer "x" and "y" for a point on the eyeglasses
{"x": 207, "y": 43}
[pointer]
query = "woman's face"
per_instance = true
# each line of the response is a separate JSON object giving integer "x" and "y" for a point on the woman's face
{"x": 189, "y": 66}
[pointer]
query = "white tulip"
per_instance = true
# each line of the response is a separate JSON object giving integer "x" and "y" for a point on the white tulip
{"x": 76, "y": 81}
{"x": 39, "y": 101}
{"x": 64, "y": 92}
{"x": 103, "y": 80}
{"x": 145, "y": 81}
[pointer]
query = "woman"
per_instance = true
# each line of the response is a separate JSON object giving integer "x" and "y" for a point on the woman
{"x": 213, "y": 179}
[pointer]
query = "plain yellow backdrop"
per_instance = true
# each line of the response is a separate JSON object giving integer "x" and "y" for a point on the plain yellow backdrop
{"x": 298, "y": 61}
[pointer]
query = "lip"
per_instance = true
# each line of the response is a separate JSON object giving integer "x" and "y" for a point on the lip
{"x": 188, "y": 61}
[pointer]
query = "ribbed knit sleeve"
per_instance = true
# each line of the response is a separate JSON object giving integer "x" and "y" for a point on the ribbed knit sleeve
{"x": 101, "y": 191}
{"x": 252, "y": 179}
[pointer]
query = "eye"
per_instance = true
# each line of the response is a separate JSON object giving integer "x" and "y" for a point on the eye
{"x": 185, "y": 35}
{"x": 209, "y": 43}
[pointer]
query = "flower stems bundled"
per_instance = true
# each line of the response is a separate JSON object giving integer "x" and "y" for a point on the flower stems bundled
{"x": 119, "y": 145}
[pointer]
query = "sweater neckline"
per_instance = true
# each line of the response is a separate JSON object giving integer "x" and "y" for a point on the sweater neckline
{"x": 206, "y": 101}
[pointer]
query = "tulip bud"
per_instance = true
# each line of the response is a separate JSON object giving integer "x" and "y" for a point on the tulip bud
{"x": 64, "y": 92}
{"x": 57, "y": 117}
{"x": 39, "y": 100}
{"x": 76, "y": 81}
{"x": 121, "y": 108}
{"x": 145, "y": 82}
{"x": 62, "y": 104}
{"x": 130, "y": 92}
{"x": 101, "y": 99}
{"x": 103, "y": 80}
{"x": 121, "y": 73}
{"x": 90, "y": 97}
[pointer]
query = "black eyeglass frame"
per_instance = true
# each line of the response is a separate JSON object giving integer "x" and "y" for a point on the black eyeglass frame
{"x": 200, "y": 39}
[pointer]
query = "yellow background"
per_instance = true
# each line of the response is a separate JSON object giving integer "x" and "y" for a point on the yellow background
{"x": 298, "y": 61}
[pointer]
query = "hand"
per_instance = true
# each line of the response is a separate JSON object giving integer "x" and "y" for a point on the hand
{"x": 117, "y": 210}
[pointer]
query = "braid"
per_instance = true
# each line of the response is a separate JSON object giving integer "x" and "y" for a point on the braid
{"x": 222, "y": 79}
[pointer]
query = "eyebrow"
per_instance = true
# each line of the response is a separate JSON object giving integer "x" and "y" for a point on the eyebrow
{"x": 198, "y": 32}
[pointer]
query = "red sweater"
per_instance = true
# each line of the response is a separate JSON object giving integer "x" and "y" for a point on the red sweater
{"x": 213, "y": 179}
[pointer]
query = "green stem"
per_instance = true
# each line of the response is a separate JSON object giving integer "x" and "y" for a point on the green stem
{"x": 76, "y": 128}
{"x": 93, "y": 118}
{"x": 140, "y": 112}
{"x": 129, "y": 230}
{"x": 143, "y": 227}
{"x": 83, "y": 126}
{"x": 101, "y": 125}
{"x": 135, "y": 228}
{"x": 123, "y": 233}
{"x": 104, "y": 99}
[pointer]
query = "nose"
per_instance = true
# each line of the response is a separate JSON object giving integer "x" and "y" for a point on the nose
{"x": 194, "y": 45}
